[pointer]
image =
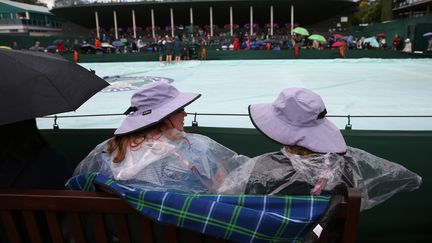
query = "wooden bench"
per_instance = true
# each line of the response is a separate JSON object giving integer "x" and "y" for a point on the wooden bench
{"x": 43, "y": 215}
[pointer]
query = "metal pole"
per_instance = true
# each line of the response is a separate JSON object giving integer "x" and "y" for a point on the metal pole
{"x": 271, "y": 20}
{"x": 231, "y": 21}
{"x": 292, "y": 19}
{"x": 97, "y": 24}
{"x": 251, "y": 20}
{"x": 115, "y": 24}
{"x": 211, "y": 21}
{"x": 134, "y": 24}
{"x": 191, "y": 16}
{"x": 153, "y": 24}
{"x": 172, "y": 21}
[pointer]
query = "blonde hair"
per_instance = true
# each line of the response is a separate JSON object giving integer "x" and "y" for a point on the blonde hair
{"x": 294, "y": 149}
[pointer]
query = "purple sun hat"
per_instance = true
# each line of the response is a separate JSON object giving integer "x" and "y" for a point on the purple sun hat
{"x": 297, "y": 117}
{"x": 151, "y": 104}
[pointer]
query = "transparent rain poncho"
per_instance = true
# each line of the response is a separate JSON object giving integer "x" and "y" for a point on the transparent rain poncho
{"x": 286, "y": 173}
{"x": 192, "y": 164}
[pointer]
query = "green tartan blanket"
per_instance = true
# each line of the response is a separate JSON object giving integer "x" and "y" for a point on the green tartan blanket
{"x": 241, "y": 218}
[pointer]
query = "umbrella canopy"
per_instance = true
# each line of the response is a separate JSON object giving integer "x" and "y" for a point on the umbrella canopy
{"x": 319, "y": 38}
{"x": 372, "y": 41}
{"x": 117, "y": 43}
{"x": 427, "y": 34}
{"x": 338, "y": 36}
{"x": 5, "y": 47}
{"x": 107, "y": 45}
{"x": 301, "y": 31}
{"x": 87, "y": 47}
{"x": 35, "y": 84}
{"x": 381, "y": 35}
{"x": 338, "y": 44}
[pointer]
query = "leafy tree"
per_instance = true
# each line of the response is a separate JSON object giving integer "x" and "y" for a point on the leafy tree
{"x": 368, "y": 12}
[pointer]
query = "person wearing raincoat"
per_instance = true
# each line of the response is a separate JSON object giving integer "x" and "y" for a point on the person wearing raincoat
{"x": 151, "y": 151}
{"x": 314, "y": 158}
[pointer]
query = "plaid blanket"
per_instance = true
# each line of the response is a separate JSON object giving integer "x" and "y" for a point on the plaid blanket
{"x": 241, "y": 218}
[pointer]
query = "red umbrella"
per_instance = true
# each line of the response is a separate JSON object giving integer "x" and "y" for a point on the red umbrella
{"x": 338, "y": 44}
{"x": 338, "y": 36}
{"x": 380, "y": 35}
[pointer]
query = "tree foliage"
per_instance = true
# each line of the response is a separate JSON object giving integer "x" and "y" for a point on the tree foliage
{"x": 367, "y": 12}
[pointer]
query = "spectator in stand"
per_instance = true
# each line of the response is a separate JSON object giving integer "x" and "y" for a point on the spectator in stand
{"x": 382, "y": 42}
{"x": 360, "y": 43}
{"x": 429, "y": 47}
{"x": 98, "y": 43}
{"x": 408, "y": 45}
{"x": 268, "y": 46}
{"x": 236, "y": 44}
{"x": 139, "y": 44}
{"x": 15, "y": 46}
{"x": 350, "y": 41}
{"x": 76, "y": 46}
{"x": 396, "y": 42}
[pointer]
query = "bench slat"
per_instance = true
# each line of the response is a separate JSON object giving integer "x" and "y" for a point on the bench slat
{"x": 76, "y": 227}
{"x": 54, "y": 226}
{"x": 10, "y": 226}
{"x": 98, "y": 227}
{"x": 170, "y": 233}
{"x": 32, "y": 228}
{"x": 146, "y": 227}
{"x": 121, "y": 228}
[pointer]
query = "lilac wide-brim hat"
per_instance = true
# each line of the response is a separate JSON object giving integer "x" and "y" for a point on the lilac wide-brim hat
{"x": 297, "y": 117}
{"x": 151, "y": 104}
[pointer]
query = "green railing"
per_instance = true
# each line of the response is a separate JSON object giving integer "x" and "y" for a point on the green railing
{"x": 403, "y": 218}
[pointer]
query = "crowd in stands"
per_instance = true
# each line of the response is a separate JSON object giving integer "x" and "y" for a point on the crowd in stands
{"x": 190, "y": 44}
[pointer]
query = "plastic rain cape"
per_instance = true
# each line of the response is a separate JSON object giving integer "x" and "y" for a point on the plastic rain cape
{"x": 192, "y": 164}
{"x": 378, "y": 179}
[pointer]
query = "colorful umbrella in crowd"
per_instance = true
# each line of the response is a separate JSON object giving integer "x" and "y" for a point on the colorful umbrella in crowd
{"x": 338, "y": 36}
{"x": 372, "y": 41}
{"x": 117, "y": 43}
{"x": 301, "y": 31}
{"x": 319, "y": 38}
{"x": 338, "y": 44}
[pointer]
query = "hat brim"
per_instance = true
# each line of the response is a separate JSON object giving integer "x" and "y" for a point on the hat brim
{"x": 322, "y": 138}
{"x": 138, "y": 120}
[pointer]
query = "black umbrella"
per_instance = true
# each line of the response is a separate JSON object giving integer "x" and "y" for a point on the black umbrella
{"x": 35, "y": 84}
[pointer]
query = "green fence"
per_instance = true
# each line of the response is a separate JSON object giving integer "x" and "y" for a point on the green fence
{"x": 403, "y": 218}
{"x": 412, "y": 28}
{"x": 26, "y": 42}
